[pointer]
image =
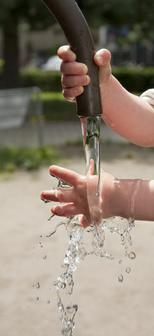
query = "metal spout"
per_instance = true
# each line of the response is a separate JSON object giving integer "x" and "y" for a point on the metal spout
{"x": 79, "y": 37}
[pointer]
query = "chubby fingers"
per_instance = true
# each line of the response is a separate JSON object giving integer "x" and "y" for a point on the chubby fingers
{"x": 73, "y": 69}
{"x": 66, "y": 54}
{"x": 69, "y": 209}
{"x": 74, "y": 74}
{"x": 74, "y": 78}
{"x": 75, "y": 81}
{"x": 103, "y": 59}
{"x": 65, "y": 210}
{"x": 58, "y": 195}
{"x": 67, "y": 175}
{"x": 84, "y": 221}
{"x": 69, "y": 65}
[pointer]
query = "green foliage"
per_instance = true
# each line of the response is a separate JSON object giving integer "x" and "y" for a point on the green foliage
{"x": 115, "y": 12}
{"x": 135, "y": 79}
{"x": 111, "y": 11}
{"x": 97, "y": 12}
{"x": 47, "y": 81}
{"x": 12, "y": 13}
{"x": 143, "y": 16}
{"x": 32, "y": 11}
{"x": 26, "y": 158}
{"x": 120, "y": 12}
{"x": 55, "y": 107}
{"x": 1, "y": 64}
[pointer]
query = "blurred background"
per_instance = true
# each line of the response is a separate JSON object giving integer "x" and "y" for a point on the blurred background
{"x": 29, "y": 38}
{"x": 38, "y": 128}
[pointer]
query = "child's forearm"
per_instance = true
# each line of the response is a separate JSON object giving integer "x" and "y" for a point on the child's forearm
{"x": 133, "y": 198}
{"x": 129, "y": 115}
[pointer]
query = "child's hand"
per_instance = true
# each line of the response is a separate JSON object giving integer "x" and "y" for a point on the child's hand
{"x": 74, "y": 200}
{"x": 75, "y": 74}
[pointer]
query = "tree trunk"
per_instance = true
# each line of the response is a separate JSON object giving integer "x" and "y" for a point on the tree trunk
{"x": 10, "y": 75}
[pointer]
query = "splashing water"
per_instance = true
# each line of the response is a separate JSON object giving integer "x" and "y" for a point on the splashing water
{"x": 76, "y": 251}
{"x": 74, "y": 254}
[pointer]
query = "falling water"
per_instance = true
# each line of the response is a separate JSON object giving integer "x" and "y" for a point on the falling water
{"x": 91, "y": 140}
{"x": 76, "y": 251}
{"x": 90, "y": 127}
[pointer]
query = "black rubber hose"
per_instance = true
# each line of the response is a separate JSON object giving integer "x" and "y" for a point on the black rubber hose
{"x": 79, "y": 37}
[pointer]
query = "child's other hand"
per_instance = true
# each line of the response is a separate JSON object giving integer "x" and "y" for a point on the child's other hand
{"x": 75, "y": 75}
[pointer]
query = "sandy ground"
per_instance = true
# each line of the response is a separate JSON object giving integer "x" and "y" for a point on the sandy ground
{"x": 106, "y": 307}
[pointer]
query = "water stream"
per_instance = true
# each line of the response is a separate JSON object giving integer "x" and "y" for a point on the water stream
{"x": 77, "y": 251}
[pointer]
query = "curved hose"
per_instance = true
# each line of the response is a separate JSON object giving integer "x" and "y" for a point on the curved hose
{"x": 79, "y": 37}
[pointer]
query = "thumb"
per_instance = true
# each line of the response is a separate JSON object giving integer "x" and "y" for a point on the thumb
{"x": 102, "y": 59}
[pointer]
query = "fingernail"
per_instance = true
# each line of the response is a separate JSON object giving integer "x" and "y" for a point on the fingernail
{"x": 53, "y": 210}
{"x": 85, "y": 68}
{"x": 81, "y": 89}
{"x": 99, "y": 58}
{"x": 71, "y": 99}
{"x": 87, "y": 79}
{"x": 42, "y": 196}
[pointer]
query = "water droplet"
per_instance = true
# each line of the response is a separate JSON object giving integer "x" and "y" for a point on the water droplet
{"x": 60, "y": 284}
{"x": 60, "y": 306}
{"x": 46, "y": 201}
{"x": 131, "y": 255}
{"x": 120, "y": 278}
{"x": 36, "y": 285}
{"x": 66, "y": 260}
{"x": 70, "y": 309}
{"x": 41, "y": 245}
{"x": 128, "y": 270}
{"x": 97, "y": 193}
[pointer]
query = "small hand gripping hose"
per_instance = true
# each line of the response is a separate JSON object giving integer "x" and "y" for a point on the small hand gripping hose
{"x": 80, "y": 40}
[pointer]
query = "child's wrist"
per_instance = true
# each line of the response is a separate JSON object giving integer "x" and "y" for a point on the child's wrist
{"x": 135, "y": 190}
{"x": 125, "y": 195}
{"x": 114, "y": 200}
{"x": 118, "y": 202}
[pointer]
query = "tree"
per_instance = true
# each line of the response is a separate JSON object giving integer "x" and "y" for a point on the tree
{"x": 111, "y": 11}
{"x": 120, "y": 12}
{"x": 12, "y": 13}
{"x": 144, "y": 17}
{"x": 97, "y": 12}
